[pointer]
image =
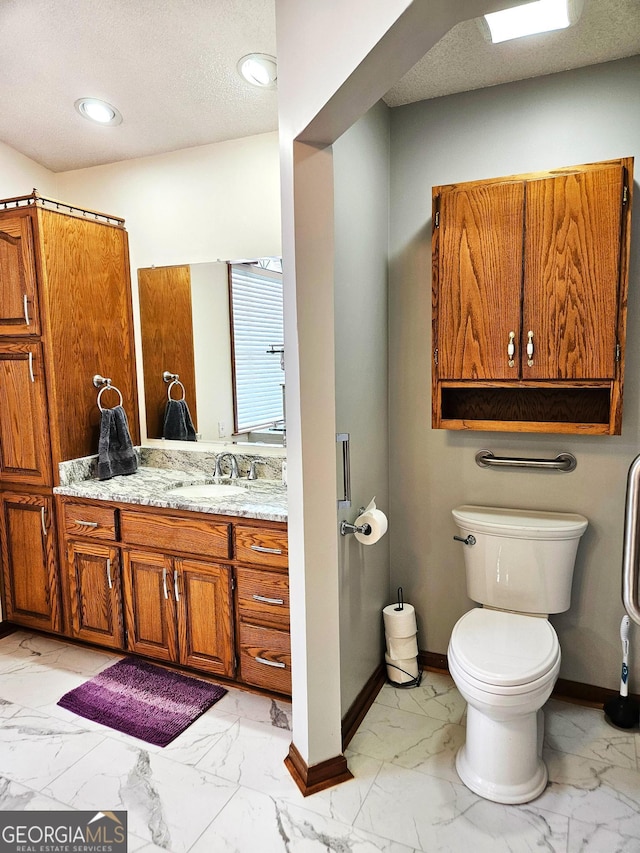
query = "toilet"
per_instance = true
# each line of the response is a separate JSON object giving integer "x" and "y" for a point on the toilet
{"x": 504, "y": 657}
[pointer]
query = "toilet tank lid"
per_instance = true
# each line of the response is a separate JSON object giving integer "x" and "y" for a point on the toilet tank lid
{"x": 520, "y": 523}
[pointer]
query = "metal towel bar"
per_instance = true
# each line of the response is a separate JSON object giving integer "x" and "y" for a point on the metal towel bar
{"x": 562, "y": 462}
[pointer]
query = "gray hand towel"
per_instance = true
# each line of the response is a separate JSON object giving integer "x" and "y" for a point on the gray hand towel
{"x": 178, "y": 425}
{"x": 115, "y": 449}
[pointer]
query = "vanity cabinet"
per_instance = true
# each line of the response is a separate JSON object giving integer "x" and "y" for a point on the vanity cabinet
{"x": 93, "y": 577}
{"x": 179, "y": 610}
{"x": 94, "y": 592}
{"x": 207, "y": 592}
{"x": 30, "y": 570}
{"x": 263, "y": 607}
{"x": 65, "y": 315}
{"x": 529, "y": 300}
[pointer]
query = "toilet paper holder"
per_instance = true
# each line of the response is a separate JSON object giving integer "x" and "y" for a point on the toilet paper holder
{"x": 346, "y": 528}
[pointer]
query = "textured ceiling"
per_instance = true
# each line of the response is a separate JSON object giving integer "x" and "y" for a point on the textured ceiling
{"x": 170, "y": 68}
{"x": 464, "y": 59}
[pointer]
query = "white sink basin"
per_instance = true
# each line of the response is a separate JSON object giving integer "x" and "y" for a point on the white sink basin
{"x": 207, "y": 490}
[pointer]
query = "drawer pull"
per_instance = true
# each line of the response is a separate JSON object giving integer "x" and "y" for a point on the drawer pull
{"x": 164, "y": 582}
{"x": 109, "y": 580}
{"x": 277, "y": 663}
{"x": 43, "y": 521}
{"x": 176, "y": 592}
{"x": 266, "y": 600}
{"x": 85, "y": 523}
{"x": 25, "y": 306}
{"x": 31, "y": 375}
{"x": 264, "y": 550}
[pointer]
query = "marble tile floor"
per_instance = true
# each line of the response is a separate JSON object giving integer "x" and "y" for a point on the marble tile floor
{"x": 221, "y": 787}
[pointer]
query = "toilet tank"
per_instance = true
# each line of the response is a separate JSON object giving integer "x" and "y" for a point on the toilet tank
{"x": 522, "y": 560}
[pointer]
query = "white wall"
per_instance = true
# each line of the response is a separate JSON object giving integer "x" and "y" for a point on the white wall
{"x": 19, "y": 175}
{"x": 565, "y": 119}
{"x": 361, "y": 193}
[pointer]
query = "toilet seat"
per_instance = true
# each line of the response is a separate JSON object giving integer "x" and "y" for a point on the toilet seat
{"x": 504, "y": 653}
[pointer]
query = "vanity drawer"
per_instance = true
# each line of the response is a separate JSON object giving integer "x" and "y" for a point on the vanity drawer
{"x": 265, "y": 658}
{"x": 263, "y": 597}
{"x": 96, "y": 522}
{"x": 261, "y": 546}
{"x": 176, "y": 533}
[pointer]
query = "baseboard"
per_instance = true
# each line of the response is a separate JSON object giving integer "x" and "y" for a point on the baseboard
{"x": 433, "y": 660}
{"x": 316, "y": 778}
{"x": 7, "y": 628}
{"x": 569, "y": 691}
{"x": 361, "y": 704}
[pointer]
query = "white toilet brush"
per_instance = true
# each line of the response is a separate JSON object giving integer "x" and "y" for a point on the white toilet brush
{"x": 622, "y": 711}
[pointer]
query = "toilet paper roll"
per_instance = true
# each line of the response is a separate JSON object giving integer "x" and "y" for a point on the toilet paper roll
{"x": 399, "y": 623}
{"x": 402, "y": 647}
{"x": 376, "y": 520}
{"x": 402, "y": 670}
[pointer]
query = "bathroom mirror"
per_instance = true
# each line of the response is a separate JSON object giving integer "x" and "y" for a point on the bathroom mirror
{"x": 187, "y": 320}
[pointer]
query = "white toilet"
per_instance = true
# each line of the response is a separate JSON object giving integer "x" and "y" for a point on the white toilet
{"x": 505, "y": 657}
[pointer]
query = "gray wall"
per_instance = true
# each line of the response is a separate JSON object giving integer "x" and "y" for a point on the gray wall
{"x": 361, "y": 197}
{"x": 565, "y": 119}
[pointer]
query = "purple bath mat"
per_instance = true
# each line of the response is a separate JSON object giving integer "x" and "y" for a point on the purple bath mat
{"x": 143, "y": 700}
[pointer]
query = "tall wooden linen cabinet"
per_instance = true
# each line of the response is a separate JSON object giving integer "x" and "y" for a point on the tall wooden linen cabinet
{"x": 65, "y": 315}
{"x": 530, "y": 279}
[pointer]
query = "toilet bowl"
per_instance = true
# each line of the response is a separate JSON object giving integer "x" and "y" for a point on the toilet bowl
{"x": 504, "y": 657}
{"x": 505, "y": 666}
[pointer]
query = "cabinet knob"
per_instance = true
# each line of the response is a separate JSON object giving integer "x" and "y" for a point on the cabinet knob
{"x": 511, "y": 348}
{"x": 530, "y": 348}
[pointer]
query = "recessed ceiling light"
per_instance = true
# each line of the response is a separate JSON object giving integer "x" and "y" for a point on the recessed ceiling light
{"x": 99, "y": 111}
{"x": 259, "y": 69}
{"x": 538, "y": 17}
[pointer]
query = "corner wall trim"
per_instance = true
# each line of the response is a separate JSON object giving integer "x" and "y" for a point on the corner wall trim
{"x": 316, "y": 778}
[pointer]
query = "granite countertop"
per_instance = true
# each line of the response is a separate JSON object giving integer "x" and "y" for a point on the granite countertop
{"x": 149, "y": 486}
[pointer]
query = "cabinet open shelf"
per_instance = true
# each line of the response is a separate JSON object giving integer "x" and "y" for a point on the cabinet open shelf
{"x": 531, "y": 407}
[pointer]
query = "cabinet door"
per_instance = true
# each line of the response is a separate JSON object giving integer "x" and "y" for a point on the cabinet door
{"x": 31, "y": 580}
{"x": 149, "y": 605}
{"x": 24, "y": 448}
{"x": 572, "y": 271}
{"x": 478, "y": 279}
{"x": 18, "y": 302}
{"x": 94, "y": 587}
{"x": 205, "y": 615}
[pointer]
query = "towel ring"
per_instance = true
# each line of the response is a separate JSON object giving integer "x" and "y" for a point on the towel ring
{"x": 104, "y": 384}
{"x": 173, "y": 379}
{"x": 109, "y": 388}
{"x": 176, "y": 382}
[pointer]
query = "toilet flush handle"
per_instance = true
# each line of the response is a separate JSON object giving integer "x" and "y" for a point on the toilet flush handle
{"x": 468, "y": 540}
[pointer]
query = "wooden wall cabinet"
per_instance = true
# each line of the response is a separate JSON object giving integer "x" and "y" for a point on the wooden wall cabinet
{"x": 530, "y": 279}
{"x": 65, "y": 315}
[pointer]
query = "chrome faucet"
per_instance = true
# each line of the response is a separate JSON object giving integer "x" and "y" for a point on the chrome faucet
{"x": 234, "y": 466}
